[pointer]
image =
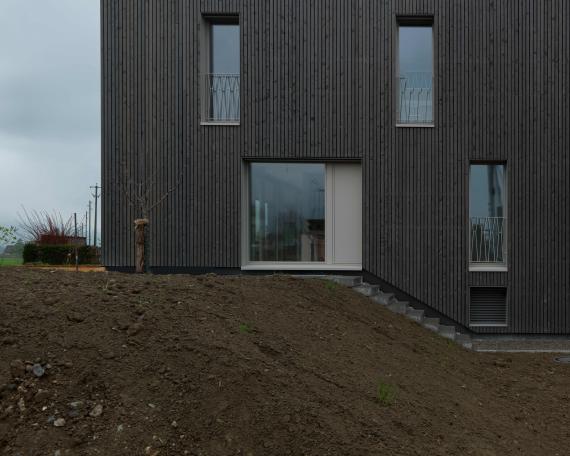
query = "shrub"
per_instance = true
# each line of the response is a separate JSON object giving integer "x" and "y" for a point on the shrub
{"x": 56, "y": 254}
{"x": 30, "y": 253}
{"x": 59, "y": 254}
{"x": 88, "y": 255}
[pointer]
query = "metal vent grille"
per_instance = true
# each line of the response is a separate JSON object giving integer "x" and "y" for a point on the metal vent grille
{"x": 488, "y": 306}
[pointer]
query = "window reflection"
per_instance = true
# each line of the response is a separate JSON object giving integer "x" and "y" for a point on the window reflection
{"x": 416, "y": 74}
{"x": 287, "y": 212}
{"x": 223, "y": 79}
{"x": 487, "y": 214}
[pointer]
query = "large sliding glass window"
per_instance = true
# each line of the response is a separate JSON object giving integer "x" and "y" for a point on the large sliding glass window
{"x": 287, "y": 212}
{"x": 415, "y": 63}
{"x": 487, "y": 214}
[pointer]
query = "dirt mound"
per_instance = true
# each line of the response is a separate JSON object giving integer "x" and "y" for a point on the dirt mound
{"x": 112, "y": 364}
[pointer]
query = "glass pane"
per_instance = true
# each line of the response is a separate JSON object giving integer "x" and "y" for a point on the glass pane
{"x": 224, "y": 79}
{"x": 287, "y": 212}
{"x": 487, "y": 191}
{"x": 225, "y": 48}
{"x": 416, "y": 74}
{"x": 487, "y": 212}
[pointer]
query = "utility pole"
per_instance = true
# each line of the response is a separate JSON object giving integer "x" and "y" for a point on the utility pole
{"x": 89, "y": 225}
{"x": 96, "y": 195}
{"x": 75, "y": 242}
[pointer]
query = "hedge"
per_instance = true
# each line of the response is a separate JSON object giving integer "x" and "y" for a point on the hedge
{"x": 59, "y": 254}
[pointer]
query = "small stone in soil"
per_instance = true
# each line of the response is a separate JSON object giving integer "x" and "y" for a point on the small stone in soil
{"x": 60, "y": 422}
{"x": 97, "y": 411}
{"x": 38, "y": 370}
{"x": 41, "y": 396}
{"x": 134, "y": 329}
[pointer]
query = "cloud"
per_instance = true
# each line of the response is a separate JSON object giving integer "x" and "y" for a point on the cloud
{"x": 49, "y": 105}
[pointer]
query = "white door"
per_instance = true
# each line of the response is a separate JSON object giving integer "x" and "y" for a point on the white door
{"x": 344, "y": 207}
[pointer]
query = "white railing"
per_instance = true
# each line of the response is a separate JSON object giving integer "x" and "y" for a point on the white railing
{"x": 221, "y": 97}
{"x": 488, "y": 240}
{"x": 416, "y": 98}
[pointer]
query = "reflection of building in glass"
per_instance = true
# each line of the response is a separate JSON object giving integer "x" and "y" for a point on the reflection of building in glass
{"x": 287, "y": 212}
{"x": 487, "y": 214}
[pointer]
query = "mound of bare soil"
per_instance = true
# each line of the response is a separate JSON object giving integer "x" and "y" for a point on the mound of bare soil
{"x": 112, "y": 364}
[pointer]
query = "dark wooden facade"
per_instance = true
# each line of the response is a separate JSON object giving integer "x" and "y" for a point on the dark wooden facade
{"x": 318, "y": 82}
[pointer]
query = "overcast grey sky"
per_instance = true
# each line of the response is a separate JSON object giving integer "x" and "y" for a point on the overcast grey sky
{"x": 49, "y": 105}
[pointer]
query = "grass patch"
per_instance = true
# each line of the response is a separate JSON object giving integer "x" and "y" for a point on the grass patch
{"x": 11, "y": 262}
{"x": 244, "y": 328}
{"x": 330, "y": 285}
{"x": 385, "y": 394}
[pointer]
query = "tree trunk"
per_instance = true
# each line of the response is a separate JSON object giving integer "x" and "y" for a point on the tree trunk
{"x": 140, "y": 226}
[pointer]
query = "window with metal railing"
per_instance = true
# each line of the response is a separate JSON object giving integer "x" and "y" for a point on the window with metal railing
{"x": 221, "y": 75}
{"x": 415, "y": 72}
{"x": 487, "y": 215}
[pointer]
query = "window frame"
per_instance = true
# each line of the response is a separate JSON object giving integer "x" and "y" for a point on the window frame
{"x": 245, "y": 212}
{"x": 205, "y": 63}
{"x": 413, "y": 21}
{"x": 489, "y": 267}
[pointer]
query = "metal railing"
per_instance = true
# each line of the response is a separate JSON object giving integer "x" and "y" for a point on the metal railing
{"x": 416, "y": 98}
{"x": 488, "y": 240}
{"x": 221, "y": 97}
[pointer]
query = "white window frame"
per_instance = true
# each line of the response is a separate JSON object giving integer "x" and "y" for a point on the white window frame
{"x": 208, "y": 20}
{"x": 413, "y": 21}
{"x": 488, "y": 267}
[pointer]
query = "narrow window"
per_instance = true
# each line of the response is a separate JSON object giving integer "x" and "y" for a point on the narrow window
{"x": 415, "y": 72}
{"x": 487, "y": 215}
{"x": 221, "y": 71}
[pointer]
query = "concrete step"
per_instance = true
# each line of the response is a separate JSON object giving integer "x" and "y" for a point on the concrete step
{"x": 347, "y": 281}
{"x": 398, "y": 307}
{"x": 415, "y": 314}
{"x": 431, "y": 323}
{"x": 447, "y": 331}
{"x": 384, "y": 298}
{"x": 367, "y": 290}
{"x": 465, "y": 340}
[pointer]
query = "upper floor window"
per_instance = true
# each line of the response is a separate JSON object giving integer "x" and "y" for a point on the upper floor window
{"x": 221, "y": 71}
{"x": 488, "y": 215}
{"x": 415, "y": 72}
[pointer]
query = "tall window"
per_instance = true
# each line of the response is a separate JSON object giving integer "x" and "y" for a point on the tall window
{"x": 487, "y": 214}
{"x": 221, "y": 67}
{"x": 415, "y": 72}
{"x": 287, "y": 212}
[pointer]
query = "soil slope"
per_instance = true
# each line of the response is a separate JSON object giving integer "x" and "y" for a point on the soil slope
{"x": 112, "y": 364}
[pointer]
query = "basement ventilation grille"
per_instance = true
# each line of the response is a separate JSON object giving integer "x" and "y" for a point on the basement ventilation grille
{"x": 488, "y": 306}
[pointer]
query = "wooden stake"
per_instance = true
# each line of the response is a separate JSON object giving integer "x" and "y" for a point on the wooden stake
{"x": 140, "y": 226}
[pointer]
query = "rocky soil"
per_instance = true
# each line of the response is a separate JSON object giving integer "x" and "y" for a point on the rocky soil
{"x": 110, "y": 364}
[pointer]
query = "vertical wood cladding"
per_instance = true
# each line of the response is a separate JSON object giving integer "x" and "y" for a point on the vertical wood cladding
{"x": 318, "y": 82}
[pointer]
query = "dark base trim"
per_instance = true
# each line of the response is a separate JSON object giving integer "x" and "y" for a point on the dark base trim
{"x": 227, "y": 271}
